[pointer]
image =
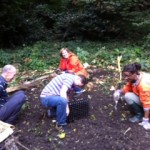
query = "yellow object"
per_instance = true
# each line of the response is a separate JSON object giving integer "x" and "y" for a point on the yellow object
{"x": 62, "y": 135}
{"x": 119, "y": 67}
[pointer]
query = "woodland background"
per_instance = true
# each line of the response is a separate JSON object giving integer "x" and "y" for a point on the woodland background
{"x": 99, "y": 31}
{"x": 33, "y": 31}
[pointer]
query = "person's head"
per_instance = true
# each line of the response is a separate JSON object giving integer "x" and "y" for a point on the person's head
{"x": 80, "y": 80}
{"x": 9, "y": 72}
{"x": 131, "y": 71}
{"x": 64, "y": 52}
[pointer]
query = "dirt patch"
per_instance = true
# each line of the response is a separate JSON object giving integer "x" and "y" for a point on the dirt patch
{"x": 104, "y": 129}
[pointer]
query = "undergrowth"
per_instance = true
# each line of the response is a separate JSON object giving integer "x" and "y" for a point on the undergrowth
{"x": 43, "y": 56}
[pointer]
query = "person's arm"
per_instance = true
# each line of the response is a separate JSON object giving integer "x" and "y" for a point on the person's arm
{"x": 145, "y": 100}
{"x": 127, "y": 88}
{"x": 143, "y": 89}
{"x": 144, "y": 95}
{"x": 62, "y": 64}
{"x": 58, "y": 71}
{"x": 118, "y": 93}
{"x": 73, "y": 64}
{"x": 63, "y": 93}
{"x": 3, "y": 92}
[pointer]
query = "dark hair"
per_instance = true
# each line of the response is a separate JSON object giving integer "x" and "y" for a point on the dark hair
{"x": 132, "y": 68}
{"x": 83, "y": 79}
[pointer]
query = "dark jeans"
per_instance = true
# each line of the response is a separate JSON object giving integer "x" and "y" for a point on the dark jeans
{"x": 10, "y": 110}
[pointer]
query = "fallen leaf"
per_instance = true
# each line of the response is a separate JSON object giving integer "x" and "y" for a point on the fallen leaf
{"x": 62, "y": 135}
{"x": 75, "y": 130}
{"x": 112, "y": 88}
{"x": 89, "y": 97}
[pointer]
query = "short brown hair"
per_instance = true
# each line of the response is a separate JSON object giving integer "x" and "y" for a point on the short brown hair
{"x": 83, "y": 79}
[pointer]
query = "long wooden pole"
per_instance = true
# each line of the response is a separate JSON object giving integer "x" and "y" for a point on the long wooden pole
{"x": 119, "y": 67}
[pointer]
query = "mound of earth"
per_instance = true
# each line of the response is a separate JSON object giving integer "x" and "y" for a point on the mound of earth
{"x": 103, "y": 129}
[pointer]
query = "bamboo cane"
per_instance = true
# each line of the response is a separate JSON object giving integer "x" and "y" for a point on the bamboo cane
{"x": 119, "y": 67}
{"x": 116, "y": 97}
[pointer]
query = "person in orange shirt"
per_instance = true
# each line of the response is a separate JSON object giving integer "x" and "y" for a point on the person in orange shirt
{"x": 136, "y": 93}
{"x": 70, "y": 63}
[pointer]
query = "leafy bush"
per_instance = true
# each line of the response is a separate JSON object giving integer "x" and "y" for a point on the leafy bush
{"x": 29, "y": 21}
{"x": 45, "y": 55}
{"x": 40, "y": 56}
{"x": 146, "y": 42}
{"x": 83, "y": 55}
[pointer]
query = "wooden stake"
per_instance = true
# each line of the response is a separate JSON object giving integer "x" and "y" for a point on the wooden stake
{"x": 119, "y": 67}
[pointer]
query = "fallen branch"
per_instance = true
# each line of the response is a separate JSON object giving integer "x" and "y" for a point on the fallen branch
{"x": 10, "y": 144}
{"x": 131, "y": 141}
{"x": 29, "y": 84}
{"x": 127, "y": 130}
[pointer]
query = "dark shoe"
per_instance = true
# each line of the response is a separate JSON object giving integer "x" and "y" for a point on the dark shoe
{"x": 61, "y": 128}
{"x": 136, "y": 119}
{"x": 138, "y": 111}
{"x": 80, "y": 91}
{"x": 51, "y": 113}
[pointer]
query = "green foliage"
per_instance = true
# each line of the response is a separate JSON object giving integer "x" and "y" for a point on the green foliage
{"x": 22, "y": 22}
{"x": 146, "y": 42}
{"x": 73, "y": 24}
{"x": 45, "y": 55}
{"x": 29, "y": 21}
{"x": 6, "y": 57}
{"x": 82, "y": 54}
{"x": 104, "y": 55}
{"x": 111, "y": 19}
{"x": 40, "y": 56}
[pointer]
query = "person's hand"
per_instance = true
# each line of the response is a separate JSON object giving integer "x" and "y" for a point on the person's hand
{"x": 58, "y": 71}
{"x": 145, "y": 123}
{"x": 117, "y": 95}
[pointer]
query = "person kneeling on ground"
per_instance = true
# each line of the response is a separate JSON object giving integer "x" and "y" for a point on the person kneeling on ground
{"x": 54, "y": 94}
{"x": 10, "y": 106}
{"x": 137, "y": 93}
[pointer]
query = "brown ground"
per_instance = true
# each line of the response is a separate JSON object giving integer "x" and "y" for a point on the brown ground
{"x": 104, "y": 129}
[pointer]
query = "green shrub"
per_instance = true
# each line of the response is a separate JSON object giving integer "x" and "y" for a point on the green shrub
{"x": 45, "y": 55}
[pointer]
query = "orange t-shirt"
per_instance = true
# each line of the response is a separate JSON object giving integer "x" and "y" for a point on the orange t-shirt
{"x": 73, "y": 64}
{"x": 141, "y": 88}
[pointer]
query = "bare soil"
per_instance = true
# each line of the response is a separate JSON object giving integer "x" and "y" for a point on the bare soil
{"x": 103, "y": 129}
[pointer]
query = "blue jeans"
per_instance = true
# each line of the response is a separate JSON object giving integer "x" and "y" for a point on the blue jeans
{"x": 60, "y": 103}
{"x": 11, "y": 108}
